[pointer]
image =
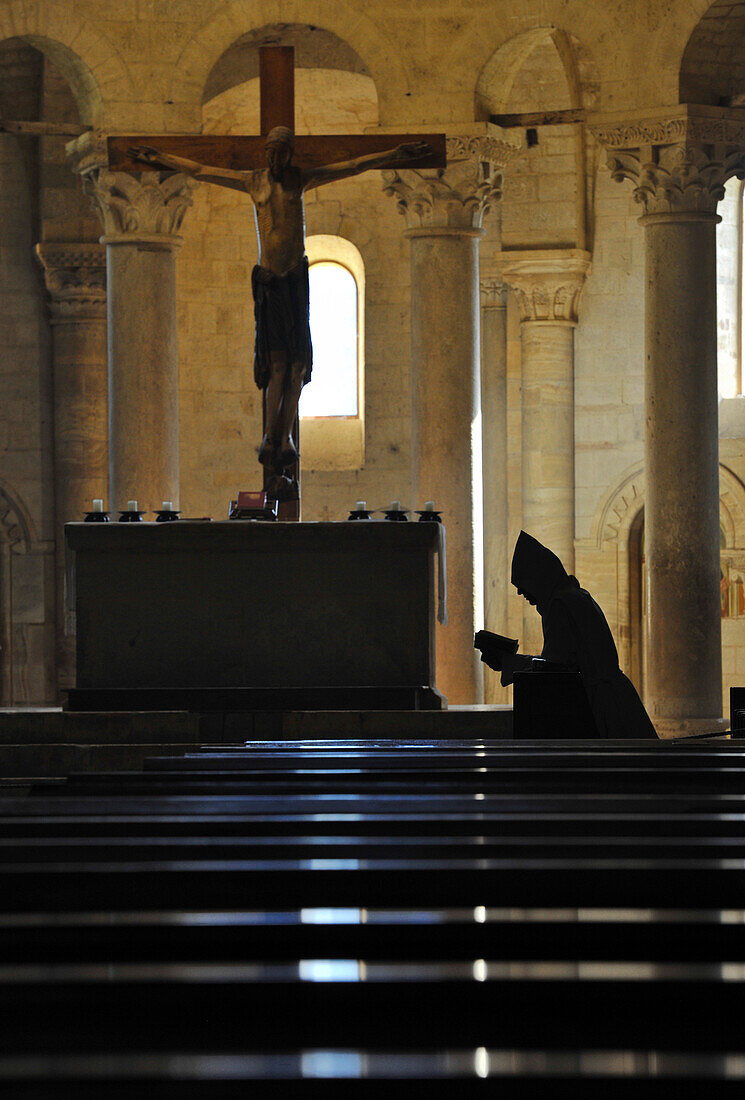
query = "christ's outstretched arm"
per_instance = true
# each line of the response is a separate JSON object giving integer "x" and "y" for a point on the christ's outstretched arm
{"x": 224, "y": 177}
{"x": 328, "y": 173}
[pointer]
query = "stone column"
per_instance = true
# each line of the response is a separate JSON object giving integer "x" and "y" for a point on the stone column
{"x": 75, "y": 276}
{"x": 547, "y": 287}
{"x": 141, "y": 215}
{"x": 494, "y": 461}
{"x": 679, "y": 163}
{"x": 444, "y": 212}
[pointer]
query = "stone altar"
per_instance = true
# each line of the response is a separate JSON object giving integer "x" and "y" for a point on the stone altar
{"x": 346, "y": 609}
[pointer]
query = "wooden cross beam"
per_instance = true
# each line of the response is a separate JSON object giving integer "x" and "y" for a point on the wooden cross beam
{"x": 277, "y": 99}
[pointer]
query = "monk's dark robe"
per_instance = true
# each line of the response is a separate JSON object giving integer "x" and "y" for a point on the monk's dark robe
{"x": 576, "y": 636}
{"x": 282, "y": 316}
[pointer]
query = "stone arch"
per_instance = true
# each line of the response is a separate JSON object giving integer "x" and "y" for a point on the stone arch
{"x": 732, "y": 508}
{"x": 483, "y": 38}
{"x": 84, "y": 56}
{"x": 237, "y": 17}
{"x": 621, "y": 507}
{"x": 711, "y": 68}
{"x": 615, "y": 534}
{"x": 16, "y": 538}
{"x": 333, "y": 90}
{"x": 616, "y": 514}
{"x": 497, "y": 77}
{"x": 16, "y": 527}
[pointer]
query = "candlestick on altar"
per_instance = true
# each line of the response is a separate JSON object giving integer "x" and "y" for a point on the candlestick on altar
{"x": 132, "y": 514}
{"x": 429, "y": 513}
{"x": 360, "y": 510}
{"x": 97, "y": 515}
{"x": 166, "y": 513}
{"x": 396, "y": 513}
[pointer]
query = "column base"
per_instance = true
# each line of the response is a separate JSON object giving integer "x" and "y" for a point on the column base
{"x": 688, "y": 727}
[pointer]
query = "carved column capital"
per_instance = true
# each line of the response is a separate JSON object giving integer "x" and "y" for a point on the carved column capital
{"x": 75, "y": 276}
{"x": 481, "y": 147}
{"x": 145, "y": 208}
{"x": 547, "y": 284}
{"x": 493, "y": 293}
{"x": 456, "y": 197}
{"x": 678, "y": 160}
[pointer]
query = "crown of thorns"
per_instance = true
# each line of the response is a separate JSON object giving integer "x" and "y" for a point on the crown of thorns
{"x": 281, "y": 135}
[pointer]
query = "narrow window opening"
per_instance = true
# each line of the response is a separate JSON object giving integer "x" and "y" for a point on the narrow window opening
{"x": 333, "y": 390}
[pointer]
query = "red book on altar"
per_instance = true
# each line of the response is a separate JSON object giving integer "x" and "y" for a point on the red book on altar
{"x": 252, "y": 506}
{"x": 251, "y": 500}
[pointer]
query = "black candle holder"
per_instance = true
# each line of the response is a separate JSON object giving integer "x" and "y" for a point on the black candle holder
{"x": 396, "y": 515}
{"x": 131, "y": 517}
{"x": 430, "y": 516}
{"x": 361, "y": 513}
{"x": 166, "y": 515}
{"x": 97, "y": 517}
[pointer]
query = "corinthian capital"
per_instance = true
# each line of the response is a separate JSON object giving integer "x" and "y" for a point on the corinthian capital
{"x": 678, "y": 160}
{"x": 456, "y": 197}
{"x": 75, "y": 276}
{"x": 547, "y": 284}
{"x": 149, "y": 206}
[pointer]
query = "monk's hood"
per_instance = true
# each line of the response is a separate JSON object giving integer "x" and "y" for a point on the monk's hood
{"x": 536, "y": 570}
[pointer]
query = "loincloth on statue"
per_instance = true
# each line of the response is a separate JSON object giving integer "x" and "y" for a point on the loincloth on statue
{"x": 282, "y": 314}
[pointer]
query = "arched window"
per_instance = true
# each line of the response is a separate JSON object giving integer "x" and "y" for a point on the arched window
{"x": 334, "y": 386}
{"x": 332, "y": 404}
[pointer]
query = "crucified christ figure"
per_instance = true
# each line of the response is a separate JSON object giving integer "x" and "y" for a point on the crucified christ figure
{"x": 283, "y": 357}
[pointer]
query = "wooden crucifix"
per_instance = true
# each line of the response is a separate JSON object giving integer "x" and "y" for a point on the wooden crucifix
{"x": 275, "y": 168}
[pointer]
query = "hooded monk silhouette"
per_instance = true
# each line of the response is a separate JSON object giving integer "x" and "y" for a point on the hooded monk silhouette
{"x": 576, "y": 638}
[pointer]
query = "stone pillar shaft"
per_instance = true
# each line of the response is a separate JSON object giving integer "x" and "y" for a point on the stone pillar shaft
{"x": 143, "y": 376}
{"x": 548, "y": 435}
{"x": 682, "y": 461}
{"x": 679, "y": 161}
{"x": 494, "y": 461}
{"x": 141, "y": 216}
{"x": 547, "y": 287}
{"x": 75, "y": 277}
{"x": 445, "y": 392}
{"x": 444, "y": 212}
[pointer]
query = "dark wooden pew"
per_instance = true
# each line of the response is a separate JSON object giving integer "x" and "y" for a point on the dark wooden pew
{"x": 527, "y": 914}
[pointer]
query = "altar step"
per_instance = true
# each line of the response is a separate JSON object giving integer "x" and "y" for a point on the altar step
{"x": 40, "y": 742}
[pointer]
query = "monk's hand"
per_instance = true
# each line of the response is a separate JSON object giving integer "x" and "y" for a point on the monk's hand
{"x": 492, "y": 657}
{"x": 413, "y": 150}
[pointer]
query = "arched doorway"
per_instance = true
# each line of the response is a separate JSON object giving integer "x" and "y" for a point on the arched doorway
{"x": 16, "y": 686}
